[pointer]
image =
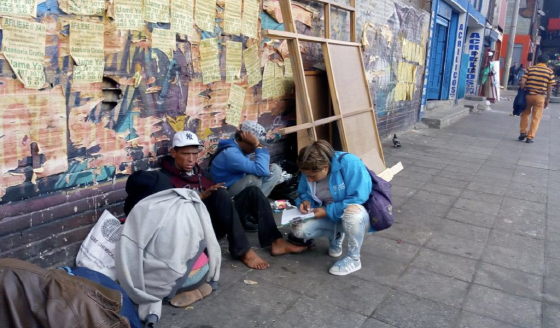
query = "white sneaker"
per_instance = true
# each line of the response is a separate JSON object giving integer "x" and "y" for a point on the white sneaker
{"x": 345, "y": 266}
{"x": 335, "y": 249}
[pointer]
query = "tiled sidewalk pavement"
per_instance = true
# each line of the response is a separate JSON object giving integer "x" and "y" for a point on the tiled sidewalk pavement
{"x": 476, "y": 244}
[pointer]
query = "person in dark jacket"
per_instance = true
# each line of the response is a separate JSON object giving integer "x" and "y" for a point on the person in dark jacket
{"x": 512, "y": 74}
{"x": 184, "y": 172}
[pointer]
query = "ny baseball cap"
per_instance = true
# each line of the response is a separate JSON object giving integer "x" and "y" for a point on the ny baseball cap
{"x": 256, "y": 129}
{"x": 184, "y": 139}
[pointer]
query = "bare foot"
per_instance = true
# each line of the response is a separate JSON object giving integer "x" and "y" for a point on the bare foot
{"x": 253, "y": 261}
{"x": 280, "y": 246}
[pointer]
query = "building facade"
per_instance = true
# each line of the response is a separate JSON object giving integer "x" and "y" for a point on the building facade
{"x": 455, "y": 49}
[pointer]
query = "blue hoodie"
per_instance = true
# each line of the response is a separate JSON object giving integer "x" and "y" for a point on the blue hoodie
{"x": 232, "y": 164}
{"x": 350, "y": 183}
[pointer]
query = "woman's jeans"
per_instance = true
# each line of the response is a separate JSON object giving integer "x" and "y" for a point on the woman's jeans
{"x": 354, "y": 223}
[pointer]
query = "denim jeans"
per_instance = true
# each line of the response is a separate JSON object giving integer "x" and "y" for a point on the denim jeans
{"x": 355, "y": 223}
{"x": 266, "y": 184}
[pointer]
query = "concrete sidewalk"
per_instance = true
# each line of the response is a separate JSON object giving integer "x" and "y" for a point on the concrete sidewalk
{"x": 476, "y": 244}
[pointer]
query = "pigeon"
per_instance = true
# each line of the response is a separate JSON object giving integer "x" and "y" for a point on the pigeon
{"x": 396, "y": 142}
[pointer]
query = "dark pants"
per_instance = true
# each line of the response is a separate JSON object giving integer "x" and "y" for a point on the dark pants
{"x": 511, "y": 80}
{"x": 225, "y": 216}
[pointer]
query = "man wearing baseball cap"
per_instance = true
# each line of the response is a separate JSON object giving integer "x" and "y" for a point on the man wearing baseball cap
{"x": 232, "y": 165}
{"x": 184, "y": 172}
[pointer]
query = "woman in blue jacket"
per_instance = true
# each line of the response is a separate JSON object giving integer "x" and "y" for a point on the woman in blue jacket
{"x": 334, "y": 188}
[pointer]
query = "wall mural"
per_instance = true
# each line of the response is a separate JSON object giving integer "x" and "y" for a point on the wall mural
{"x": 65, "y": 134}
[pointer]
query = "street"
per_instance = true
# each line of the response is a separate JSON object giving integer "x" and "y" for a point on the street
{"x": 475, "y": 244}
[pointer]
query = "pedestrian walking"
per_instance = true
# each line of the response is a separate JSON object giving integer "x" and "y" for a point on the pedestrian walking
{"x": 512, "y": 73}
{"x": 538, "y": 84}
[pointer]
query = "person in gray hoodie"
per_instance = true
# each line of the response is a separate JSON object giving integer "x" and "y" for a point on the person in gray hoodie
{"x": 163, "y": 236}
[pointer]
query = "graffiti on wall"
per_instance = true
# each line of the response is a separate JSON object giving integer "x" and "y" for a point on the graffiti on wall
{"x": 386, "y": 28}
{"x": 69, "y": 134}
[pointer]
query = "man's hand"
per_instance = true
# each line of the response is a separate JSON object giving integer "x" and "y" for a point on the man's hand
{"x": 250, "y": 138}
{"x": 206, "y": 193}
{"x": 305, "y": 207}
{"x": 320, "y": 212}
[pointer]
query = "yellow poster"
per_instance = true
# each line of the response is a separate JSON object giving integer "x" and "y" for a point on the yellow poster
{"x": 164, "y": 40}
{"x": 252, "y": 64}
{"x": 232, "y": 17}
{"x": 235, "y": 104}
{"x": 233, "y": 61}
{"x": 27, "y": 8}
{"x": 156, "y": 11}
{"x": 268, "y": 81}
{"x": 86, "y": 48}
{"x": 86, "y": 7}
{"x": 23, "y": 45}
{"x": 205, "y": 14}
{"x": 209, "y": 60}
{"x": 288, "y": 77}
{"x": 182, "y": 16}
{"x": 278, "y": 91}
{"x": 129, "y": 15}
{"x": 250, "y": 23}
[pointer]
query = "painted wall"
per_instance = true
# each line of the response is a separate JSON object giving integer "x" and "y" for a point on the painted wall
{"x": 66, "y": 150}
{"x": 388, "y": 24}
{"x": 525, "y": 40}
{"x": 459, "y": 45}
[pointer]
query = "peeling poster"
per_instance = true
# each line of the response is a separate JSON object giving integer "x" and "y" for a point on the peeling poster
{"x": 252, "y": 66}
{"x": 156, "y": 11}
{"x": 232, "y": 17}
{"x": 233, "y": 61}
{"x": 164, "y": 40}
{"x": 235, "y": 104}
{"x": 209, "y": 61}
{"x": 86, "y": 48}
{"x": 129, "y": 15}
{"x": 27, "y": 8}
{"x": 205, "y": 14}
{"x": 182, "y": 16}
{"x": 250, "y": 18}
{"x": 23, "y": 45}
{"x": 83, "y": 7}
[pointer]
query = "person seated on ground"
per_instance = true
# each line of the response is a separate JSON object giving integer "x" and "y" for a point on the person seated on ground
{"x": 167, "y": 249}
{"x": 231, "y": 163}
{"x": 34, "y": 297}
{"x": 184, "y": 172}
{"x": 334, "y": 190}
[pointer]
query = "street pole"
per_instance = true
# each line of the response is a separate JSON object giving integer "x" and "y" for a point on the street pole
{"x": 511, "y": 43}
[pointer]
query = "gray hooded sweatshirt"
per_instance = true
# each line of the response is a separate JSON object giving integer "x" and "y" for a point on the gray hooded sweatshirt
{"x": 161, "y": 238}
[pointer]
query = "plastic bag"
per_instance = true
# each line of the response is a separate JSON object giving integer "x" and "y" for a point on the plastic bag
{"x": 97, "y": 250}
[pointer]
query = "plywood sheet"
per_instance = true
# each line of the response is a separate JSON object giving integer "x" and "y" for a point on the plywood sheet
{"x": 347, "y": 70}
{"x": 362, "y": 140}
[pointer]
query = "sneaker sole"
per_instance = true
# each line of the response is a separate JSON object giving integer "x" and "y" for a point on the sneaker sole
{"x": 335, "y": 254}
{"x": 346, "y": 273}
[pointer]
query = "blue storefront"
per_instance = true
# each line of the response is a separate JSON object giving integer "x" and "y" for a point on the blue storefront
{"x": 455, "y": 49}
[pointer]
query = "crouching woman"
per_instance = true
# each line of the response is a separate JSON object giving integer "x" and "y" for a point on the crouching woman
{"x": 333, "y": 186}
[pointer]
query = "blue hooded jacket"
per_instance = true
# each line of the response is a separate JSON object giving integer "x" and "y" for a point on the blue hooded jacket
{"x": 350, "y": 183}
{"x": 232, "y": 164}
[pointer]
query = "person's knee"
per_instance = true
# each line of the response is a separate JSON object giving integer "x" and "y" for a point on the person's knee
{"x": 275, "y": 170}
{"x": 352, "y": 217}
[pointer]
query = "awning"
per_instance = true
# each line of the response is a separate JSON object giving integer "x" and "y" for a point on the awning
{"x": 554, "y": 24}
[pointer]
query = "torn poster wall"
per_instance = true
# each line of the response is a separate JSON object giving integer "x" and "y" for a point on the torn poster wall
{"x": 71, "y": 134}
{"x": 56, "y": 133}
{"x": 394, "y": 56}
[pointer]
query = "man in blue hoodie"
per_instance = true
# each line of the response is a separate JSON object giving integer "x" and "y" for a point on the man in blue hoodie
{"x": 232, "y": 164}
